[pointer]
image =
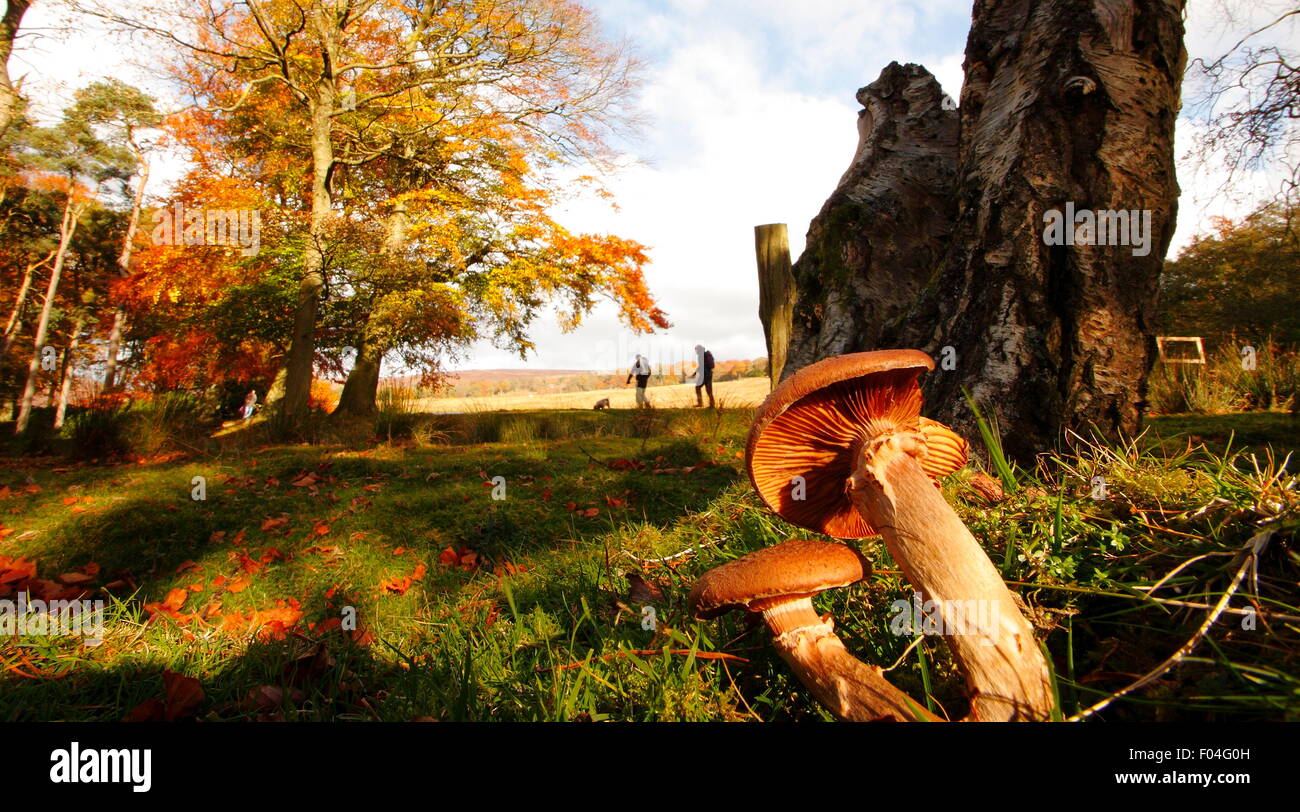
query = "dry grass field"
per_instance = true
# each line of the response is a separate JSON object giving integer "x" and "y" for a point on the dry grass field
{"x": 744, "y": 392}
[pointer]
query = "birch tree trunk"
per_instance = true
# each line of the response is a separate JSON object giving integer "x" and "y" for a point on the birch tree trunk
{"x": 1068, "y": 109}
{"x": 15, "y": 323}
{"x": 1068, "y": 106}
{"x": 69, "y": 367}
{"x": 67, "y": 228}
{"x": 124, "y": 266}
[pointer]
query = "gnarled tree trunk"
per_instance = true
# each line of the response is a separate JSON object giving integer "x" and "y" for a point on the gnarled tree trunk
{"x": 1068, "y": 109}
{"x": 883, "y": 232}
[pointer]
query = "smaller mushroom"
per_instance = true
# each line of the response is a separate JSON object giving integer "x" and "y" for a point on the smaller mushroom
{"x": 779, "y": 582}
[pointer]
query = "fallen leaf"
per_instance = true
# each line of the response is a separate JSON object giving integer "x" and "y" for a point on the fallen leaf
{"x": 150, "y": 710}
{"x": 642, "y": 591}
{"x": 184, "y": 695}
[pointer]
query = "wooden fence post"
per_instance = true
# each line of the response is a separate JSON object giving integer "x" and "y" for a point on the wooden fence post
{"x": 776, "y": 293}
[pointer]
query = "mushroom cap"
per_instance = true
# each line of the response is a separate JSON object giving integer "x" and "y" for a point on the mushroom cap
{"x": 796, "y": 568}
{"x": 814, "y": 423}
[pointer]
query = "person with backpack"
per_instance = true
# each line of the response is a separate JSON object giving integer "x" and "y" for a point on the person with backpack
{"x": 703, "y": 375}
{"x": 640, "y": 371}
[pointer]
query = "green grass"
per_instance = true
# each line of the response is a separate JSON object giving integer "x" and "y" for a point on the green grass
{"x": 547, "y": 626}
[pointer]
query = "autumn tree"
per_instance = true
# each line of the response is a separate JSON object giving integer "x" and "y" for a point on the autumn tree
{"x": 353, "y": 82}
{"x": 121, "y": 116}
{"x": 71, "y": 161}
{"x": 1241, "y": 279}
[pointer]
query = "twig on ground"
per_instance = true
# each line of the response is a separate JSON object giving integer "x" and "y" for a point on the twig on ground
{"x": 1251, "y": 551}
{"x": 674, "y": 556}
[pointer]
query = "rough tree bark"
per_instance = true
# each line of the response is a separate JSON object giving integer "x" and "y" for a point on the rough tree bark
{"x": 883, "y": 232}
{"x": 1065, "y": 102}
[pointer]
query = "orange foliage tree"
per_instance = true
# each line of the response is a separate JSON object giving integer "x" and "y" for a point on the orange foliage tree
{"x": 445, "y": 123}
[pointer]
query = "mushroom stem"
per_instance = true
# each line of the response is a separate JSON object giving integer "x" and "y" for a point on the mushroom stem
{"x": 984, "y": 629}
{"x": 848, "y": 687}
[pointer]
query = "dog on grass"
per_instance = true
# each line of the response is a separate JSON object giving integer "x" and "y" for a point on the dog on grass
{"x": 603, "y": 403}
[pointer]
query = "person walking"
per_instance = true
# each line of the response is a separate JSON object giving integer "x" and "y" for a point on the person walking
{"x": 250, "y": 405}
{"x": 703, "y": 375}
{"x": 640, "y": 371}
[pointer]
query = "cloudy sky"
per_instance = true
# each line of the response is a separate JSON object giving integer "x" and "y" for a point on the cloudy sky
{"x": 751, "y": 119}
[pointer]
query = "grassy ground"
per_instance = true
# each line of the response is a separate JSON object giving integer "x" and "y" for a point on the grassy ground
{"x": 731, "y": 394}
{"x": 533, "y": 606}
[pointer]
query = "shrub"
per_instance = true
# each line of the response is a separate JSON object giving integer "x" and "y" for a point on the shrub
{"x": 99, "y": 430}
{"x": 1224, "y": 383}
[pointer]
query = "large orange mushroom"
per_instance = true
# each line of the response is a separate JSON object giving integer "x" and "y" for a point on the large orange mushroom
{"x": 841, "y": 448}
